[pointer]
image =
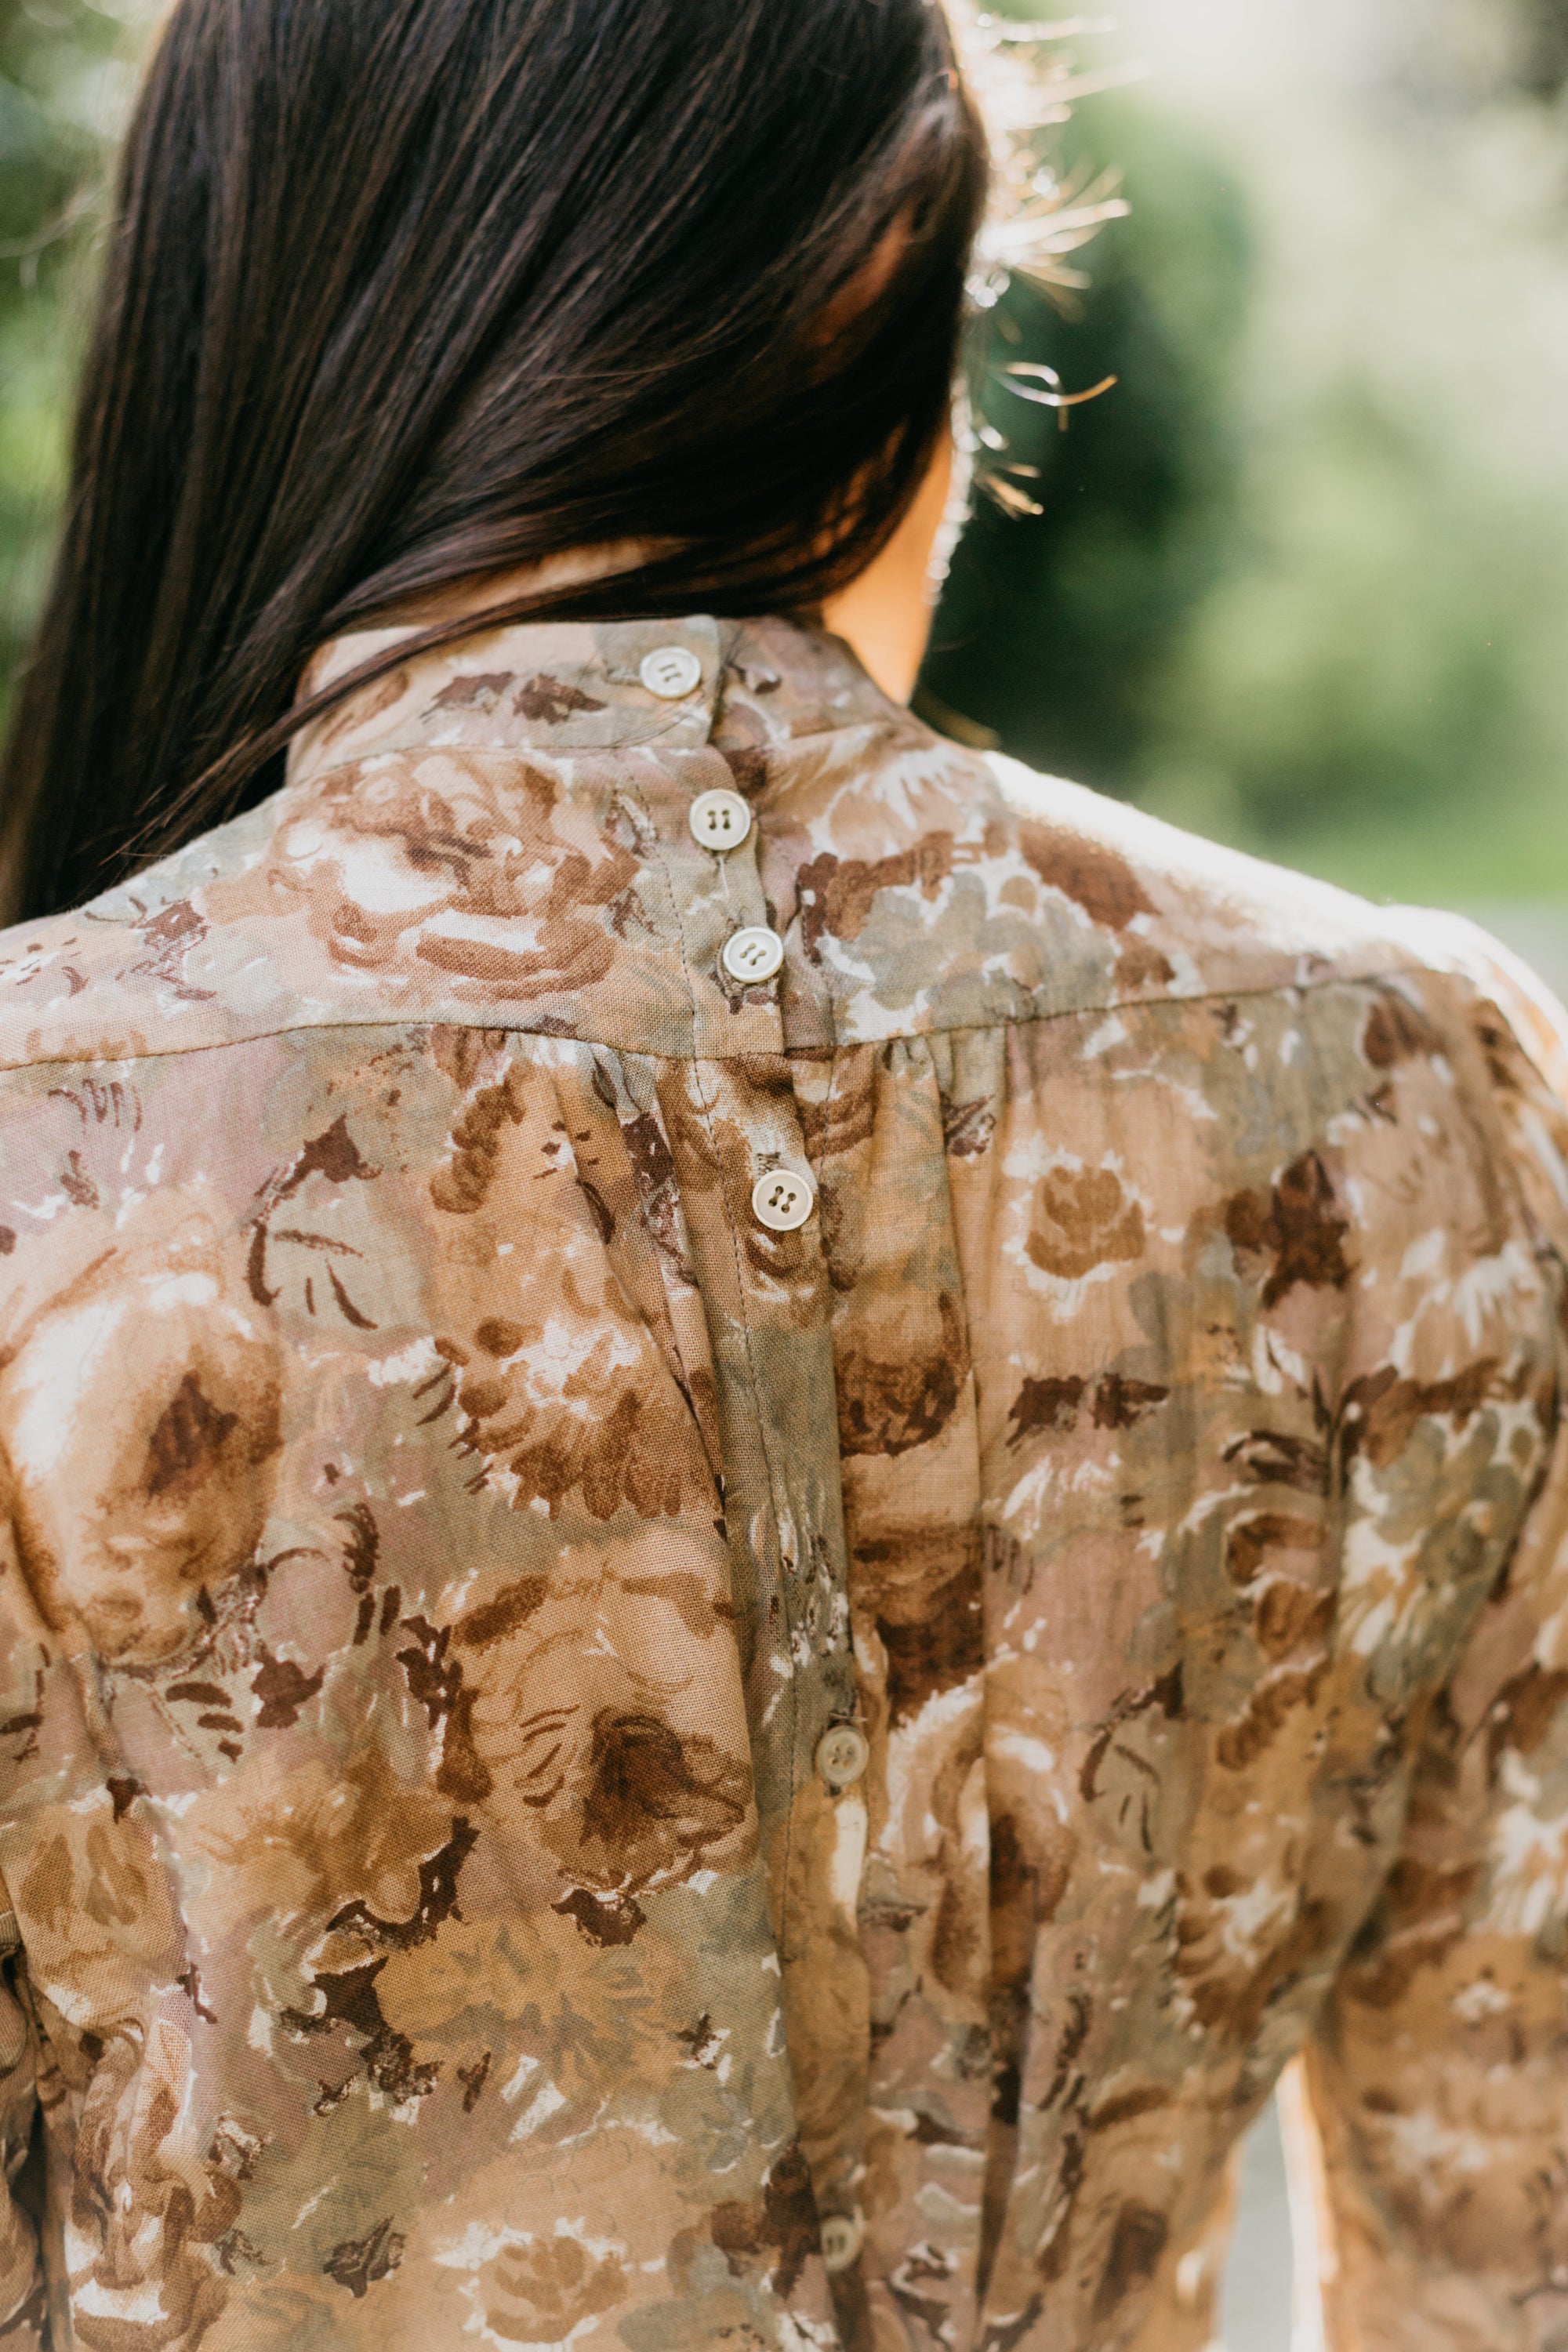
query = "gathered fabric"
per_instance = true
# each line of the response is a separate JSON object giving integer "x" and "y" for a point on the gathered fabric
{"x": 693, "y": 1660}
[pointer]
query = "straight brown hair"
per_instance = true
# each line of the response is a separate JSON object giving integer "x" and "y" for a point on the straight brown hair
{"x": 401, "y": 294}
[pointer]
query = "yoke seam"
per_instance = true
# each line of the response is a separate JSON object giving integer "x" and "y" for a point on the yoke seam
{"x": 832, "y": 1045}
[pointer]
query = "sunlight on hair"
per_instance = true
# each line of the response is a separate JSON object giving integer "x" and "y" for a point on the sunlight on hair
{"x": 1025, "y": 82}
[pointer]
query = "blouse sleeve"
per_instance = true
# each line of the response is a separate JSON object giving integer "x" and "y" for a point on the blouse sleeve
{"x": 1431, "y": 2113}
{"x": 22, "y": 2317}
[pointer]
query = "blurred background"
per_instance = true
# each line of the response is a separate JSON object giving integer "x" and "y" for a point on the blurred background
{"x": 1299, "y": 581}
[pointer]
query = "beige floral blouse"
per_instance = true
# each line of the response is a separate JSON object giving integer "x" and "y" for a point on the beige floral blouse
{"x": 710, "y": 1652}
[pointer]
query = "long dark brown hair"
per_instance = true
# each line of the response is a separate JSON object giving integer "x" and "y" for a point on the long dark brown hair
{"x": 407, "y": 293}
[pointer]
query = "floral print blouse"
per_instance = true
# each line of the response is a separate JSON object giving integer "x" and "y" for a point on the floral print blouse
{"x": 706, "y": 1656}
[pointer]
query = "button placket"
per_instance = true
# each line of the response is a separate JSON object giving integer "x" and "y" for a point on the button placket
{"x": 721, "y": 821}
{"x": 768, "y": 1307}
{"x": 709, "y": 895}
{"x": 749, "y": 953}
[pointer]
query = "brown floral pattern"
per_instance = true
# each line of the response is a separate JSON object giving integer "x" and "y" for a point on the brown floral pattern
{"x": 441, "y": 1523}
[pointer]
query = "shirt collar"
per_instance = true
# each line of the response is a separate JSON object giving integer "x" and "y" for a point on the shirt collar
{"x": 581, "y": 687}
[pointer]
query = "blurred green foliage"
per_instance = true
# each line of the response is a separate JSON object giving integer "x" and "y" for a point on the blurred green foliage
{"x": 64, "y": 74}
{"x": 1299, "y": 581}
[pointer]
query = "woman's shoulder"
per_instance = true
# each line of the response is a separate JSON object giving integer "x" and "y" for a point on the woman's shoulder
{"x": 1371, "y": 986}
{"x": 1031, "y": 897}
{"x": 144, "y": 969}
{"x": 1201, "y": 920}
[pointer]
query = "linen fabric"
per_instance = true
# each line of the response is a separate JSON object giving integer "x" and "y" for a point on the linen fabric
{"x": 443, "y": 1524}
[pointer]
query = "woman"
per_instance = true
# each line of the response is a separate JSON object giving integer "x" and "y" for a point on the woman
{"x": 772, "y": 1495}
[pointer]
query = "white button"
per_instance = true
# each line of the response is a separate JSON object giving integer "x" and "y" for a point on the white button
{"x": 720, "y": 820}
{"x": 671, "y": 673}
{"x": 782, "y": 1200}
{"x": 752, "y": 954}
{"x": 843, "y": 1753}
{"x": 843, "y": 2234}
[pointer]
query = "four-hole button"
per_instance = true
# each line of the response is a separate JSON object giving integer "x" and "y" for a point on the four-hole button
{"x": 782, "y": 1200}
{"x": 843, "y": 1753}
